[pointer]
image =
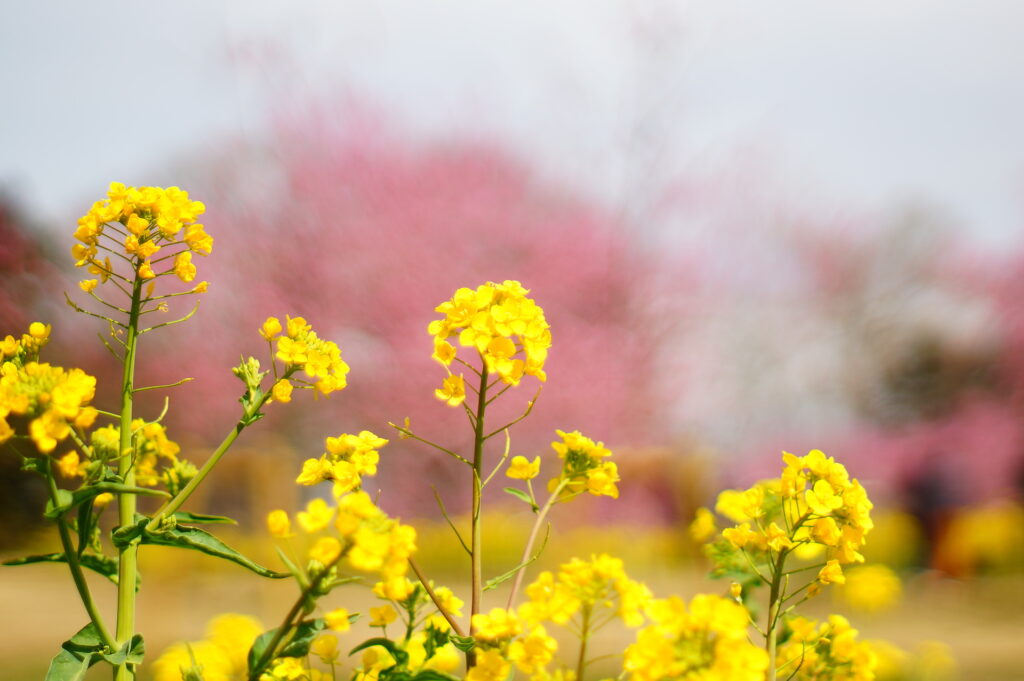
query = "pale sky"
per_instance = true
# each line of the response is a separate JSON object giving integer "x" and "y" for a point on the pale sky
{"x": 864, "y": 105}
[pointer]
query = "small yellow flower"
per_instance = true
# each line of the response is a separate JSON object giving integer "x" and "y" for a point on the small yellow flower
{"x": 523, "y": 469}
{"x": 452, "y": 391}
{"x": 270, "y": 328}
{"x": 88, "y": 285}
{"x": 102, "y": 500}
{"x": 201, "y": 287}
{"x": 382, "y": 616}
{"x": 326, "y": 646}
{"x": 146, "y": 270}
{"x": 279, "y": 524}
{"x": 316, "y": 516}
{"x": 39, "y": 331}
{"x": 832, "y": 573}
{"x": 282, "y": 391}
{"x": 326, "y": 550}
{"x": 337, "y": 620}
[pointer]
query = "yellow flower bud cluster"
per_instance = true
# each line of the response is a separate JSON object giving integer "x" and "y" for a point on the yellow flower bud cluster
{"x": 814, "y": 505}
{"x": 707, "y": 641}
{"x": 299, "y": 348}
{"x": 583, "y": 466}
{"x": 598, "y": 582}
{"x": 143, "y": 221}
{"x": 152, "y": 448}
{"x": 221, "y": 655}
{"x": 27, "y": 348}
{"x": 51, "y": 399}
{"x": 365, "y": 537}
{"x": 505, "y": 327}
{"x": 826, "y": 651}
{"x": 347, "y": 459}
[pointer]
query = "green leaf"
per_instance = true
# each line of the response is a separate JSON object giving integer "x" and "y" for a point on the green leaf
{"x": 202, "y": 518}
{"x": 35, "y": 464}
{"x": 501, "y": 579}
{"x": 522, "y": 496}
{"x": 103, "y": 565}
{"x": 463, "y": 643}
{"x": 67, "y": 500}
{"x": 433, "y": 675}
{"x": 76, "y": 656}
{"x": 297, "y": 645}
{"x": 132, "y": 652}
{"x": 204, "y": 542}
{"x": 401, "y": 657}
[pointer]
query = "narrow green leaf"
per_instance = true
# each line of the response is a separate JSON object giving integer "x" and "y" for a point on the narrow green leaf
{"x": 200, "y": 540}
{"x": 463, "y": 643}
{"x": 522, "y": 496}
{"x": 401, "y": 657}
{"x": 102, "y": 565}
{"x": 433, "y": 675}
{"x": 501, "y": 579}
{"x": 202, "y": 518}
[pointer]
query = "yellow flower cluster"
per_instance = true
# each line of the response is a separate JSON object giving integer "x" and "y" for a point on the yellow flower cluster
{"x": 706, "y": 641}
{"x": 506, "y": 328}
{"x": 299, "y": 348}
{"x": 221, "y": 655}
{"x": 585, "y": 584}
{"x": 814, "y": 503}
{"x": 502, "y": 639}
{"x": 826, "y": 652}
{"x": 366, "y": 538}
{"x": 151, "y": 446}
{"x": 52, "y": 399}
{"x": 147, "y": 219}
{"x": 583, "y": 466}
{"x": 347, "y": 459}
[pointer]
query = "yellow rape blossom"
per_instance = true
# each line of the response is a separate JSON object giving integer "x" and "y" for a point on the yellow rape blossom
{"x": 583, "y": 467}
{"x": 452, "y": 391}
{"x": 501, "y": 323}
{"x": 279, "y": 524}
{"x": 316, "y": 516}
{"x": 522, "y": 468}
{"x": 301, "y": 349}
{"x": 338, "y": 620}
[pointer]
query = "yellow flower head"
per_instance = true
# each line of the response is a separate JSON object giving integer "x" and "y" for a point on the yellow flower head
{"x": 452, "y": 391}
{"x": 279, "y": 524}
{"x": 583, "y": 466}
{"x": 522, "y": 468}
{"x": 338, "y": 620}
{"x": 501, "y": 323}
{"x": 152, "y": 218}
{"x": 302, "y": 349}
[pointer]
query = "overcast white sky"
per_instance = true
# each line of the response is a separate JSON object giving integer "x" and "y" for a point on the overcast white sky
{"x": 863, "y": 104}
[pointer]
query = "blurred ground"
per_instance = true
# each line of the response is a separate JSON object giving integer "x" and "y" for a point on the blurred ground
{"x": 980, "y": 620}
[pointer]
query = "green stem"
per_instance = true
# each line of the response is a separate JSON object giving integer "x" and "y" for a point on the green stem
{"x": 774, "y": 601}
{"x": 128, "y": 559}
{"x": 76, "y": 569}
{"x": 175, "y": 503}
{"x": 476, "y": 546}
{"x": 581, "y": 662}
{"x": 269, "y": 653}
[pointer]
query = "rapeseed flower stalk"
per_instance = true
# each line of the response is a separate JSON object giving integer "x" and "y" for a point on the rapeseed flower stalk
{"x": 132, "y": 242}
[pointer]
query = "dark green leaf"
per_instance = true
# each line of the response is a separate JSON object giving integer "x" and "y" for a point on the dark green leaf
{"x": 401, "y": 657}
{"x": 202, "y": 518}
{"x": 296, "y": 646}
{"x": 76, "y": 656}
{"x": 100, "y": 564}
{"x": 522, "y": 496}
{"x": 433, "y": 675}
{"x": 201, "y": 540}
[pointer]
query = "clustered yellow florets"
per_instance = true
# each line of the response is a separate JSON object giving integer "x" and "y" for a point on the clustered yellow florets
{"x": 52, "y": 399}
{"x": 506, "y": 328}
{"x": 826, "y": 652}
{"x": 347, "y": 459}
{"x": 144, "y": 220}
{"x": 706, "y": 641}
{"x": 583, "y": 466}
{"x": 221, "y": 656}
{"x": 584, "y": 585}
{"x": 299, "y": 347}
{"x": 156, "y": 455}
{"x": 814, "y": 504}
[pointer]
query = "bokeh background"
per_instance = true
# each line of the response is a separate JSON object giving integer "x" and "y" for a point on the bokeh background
{"x": 753, "y": 228}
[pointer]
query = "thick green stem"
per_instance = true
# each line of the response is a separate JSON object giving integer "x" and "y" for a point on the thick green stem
{"x": 476, "y": 557}
{"x": 127, "y": 560}
{"x": 175, "y": 503}
{"x": 76, "y": 568}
